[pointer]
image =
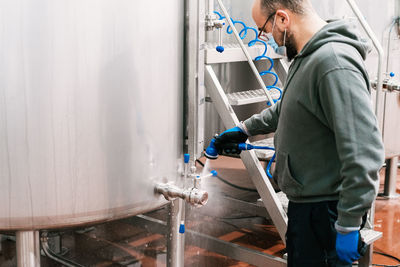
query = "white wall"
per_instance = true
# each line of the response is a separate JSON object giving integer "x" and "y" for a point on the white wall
{"x": 379, "y": 15}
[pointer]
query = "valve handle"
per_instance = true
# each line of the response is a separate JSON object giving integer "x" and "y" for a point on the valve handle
{"x": 182, "y": 228}
{"x": 220, "y": 49}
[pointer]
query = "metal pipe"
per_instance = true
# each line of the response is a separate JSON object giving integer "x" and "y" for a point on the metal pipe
{"x": 28, "y": 248}
{"x": 390, "y": 178}
{"x": 397, "y": 13}
{"x": 175, "y": 241}
{"x": 246, "y": 53}
{"x": 220, "y": 37}
{"x": 54, "y": 256}
{"x": 379, "y": 49}
{"x": 388, "y": 46}
{"x": 210, "y": 8}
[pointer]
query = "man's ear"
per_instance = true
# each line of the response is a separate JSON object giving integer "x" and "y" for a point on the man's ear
{"x": 282, "y": 20}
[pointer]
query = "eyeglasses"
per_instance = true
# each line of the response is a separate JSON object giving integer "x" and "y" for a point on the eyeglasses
{"x": 262, "y": 35}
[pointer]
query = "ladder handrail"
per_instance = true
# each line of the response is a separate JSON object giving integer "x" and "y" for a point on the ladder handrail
{"x": 379, "y": 49}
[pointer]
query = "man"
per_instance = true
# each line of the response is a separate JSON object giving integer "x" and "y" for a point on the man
{"x": 328, "y": 146}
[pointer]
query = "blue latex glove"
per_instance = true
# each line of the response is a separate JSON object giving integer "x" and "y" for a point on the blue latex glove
{"x": 229, "y": 140}
{"x": 233, "y": 130}
{"x": 347, "y": 246}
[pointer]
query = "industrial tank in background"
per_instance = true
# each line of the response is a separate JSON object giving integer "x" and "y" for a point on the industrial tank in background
{"x": 91, "y": 103}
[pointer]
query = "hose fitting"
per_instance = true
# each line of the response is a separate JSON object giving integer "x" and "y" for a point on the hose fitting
{"x": 193, "y": 196}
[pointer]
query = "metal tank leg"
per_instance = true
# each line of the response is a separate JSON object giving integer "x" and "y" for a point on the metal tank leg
{"x": 28, "y": 248}
{"x": 366, "y": 261}
{"x": 390, "y": 177}
{"x": 175, "y": 240}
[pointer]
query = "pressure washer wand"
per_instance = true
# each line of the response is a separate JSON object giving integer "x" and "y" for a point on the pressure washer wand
{"x": 245, "y": 146}
{"x": 212, "y": 153}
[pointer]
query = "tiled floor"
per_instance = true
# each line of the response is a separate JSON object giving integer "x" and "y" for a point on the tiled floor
{"x": 129, "y": 243}
{"x": 387, "y": 220}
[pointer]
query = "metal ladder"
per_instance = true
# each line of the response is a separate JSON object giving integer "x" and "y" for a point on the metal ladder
{"x": 223, "y": 103}
{"x": 275, "y": 203}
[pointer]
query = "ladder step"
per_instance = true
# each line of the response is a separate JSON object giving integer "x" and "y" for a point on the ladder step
{"x": 233, "y": 53}
{"x": 284, "y": 200}
{"x": 264, "y": 154}
{"x": 250, "y": 97}
{"x": 369, "y": 236}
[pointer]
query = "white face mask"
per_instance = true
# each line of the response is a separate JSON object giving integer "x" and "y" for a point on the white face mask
{"x": 280, "y": 50}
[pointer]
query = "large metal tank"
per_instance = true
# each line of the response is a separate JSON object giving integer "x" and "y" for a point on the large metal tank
{"x": 91, "y": 96}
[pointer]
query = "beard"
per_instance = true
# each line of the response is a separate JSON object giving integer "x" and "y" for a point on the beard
{"x": 291, "y": 50}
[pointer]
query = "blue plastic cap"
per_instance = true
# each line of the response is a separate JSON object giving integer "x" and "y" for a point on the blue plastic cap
{"x": 220, "y": 49}
{"x": 214, "y": 173}
{"x": 391, "y": 74}
{"x": 186, "y": 158}
{"x": 182, "y": 228}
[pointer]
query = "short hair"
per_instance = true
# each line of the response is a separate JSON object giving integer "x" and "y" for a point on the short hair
{"x": 296, "y": 6}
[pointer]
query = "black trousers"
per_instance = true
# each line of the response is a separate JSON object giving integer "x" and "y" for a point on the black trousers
{"x": 311, "y": 235}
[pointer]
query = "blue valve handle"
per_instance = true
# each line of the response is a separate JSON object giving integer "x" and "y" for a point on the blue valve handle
{"x": 186, "y": 158}
{"x": 220, "y": 49}
{"x": 182, "y": 228}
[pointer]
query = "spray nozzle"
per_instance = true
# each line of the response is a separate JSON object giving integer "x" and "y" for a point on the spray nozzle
{"x": 211, "y": 151}
{"x": 213, "y": 173}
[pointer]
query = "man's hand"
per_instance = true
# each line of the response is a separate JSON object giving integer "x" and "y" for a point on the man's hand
{"x": 347, "y": 246}
{"x": 228, "y": 141}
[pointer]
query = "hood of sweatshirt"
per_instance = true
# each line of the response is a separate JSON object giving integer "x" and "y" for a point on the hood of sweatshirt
{"x": 340, "y": 31}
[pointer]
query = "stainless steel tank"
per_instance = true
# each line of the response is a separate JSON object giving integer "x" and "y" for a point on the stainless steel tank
{"x": 91, "y": 96}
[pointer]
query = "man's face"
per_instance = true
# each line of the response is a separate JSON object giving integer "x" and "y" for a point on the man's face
{"x": 265, "y": 20}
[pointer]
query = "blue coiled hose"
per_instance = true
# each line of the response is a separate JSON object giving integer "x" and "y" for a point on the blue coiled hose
{"x": 243, "y": 34}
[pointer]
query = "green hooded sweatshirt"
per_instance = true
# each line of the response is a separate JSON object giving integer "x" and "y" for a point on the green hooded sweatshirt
{"x": 328, "y": 145}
